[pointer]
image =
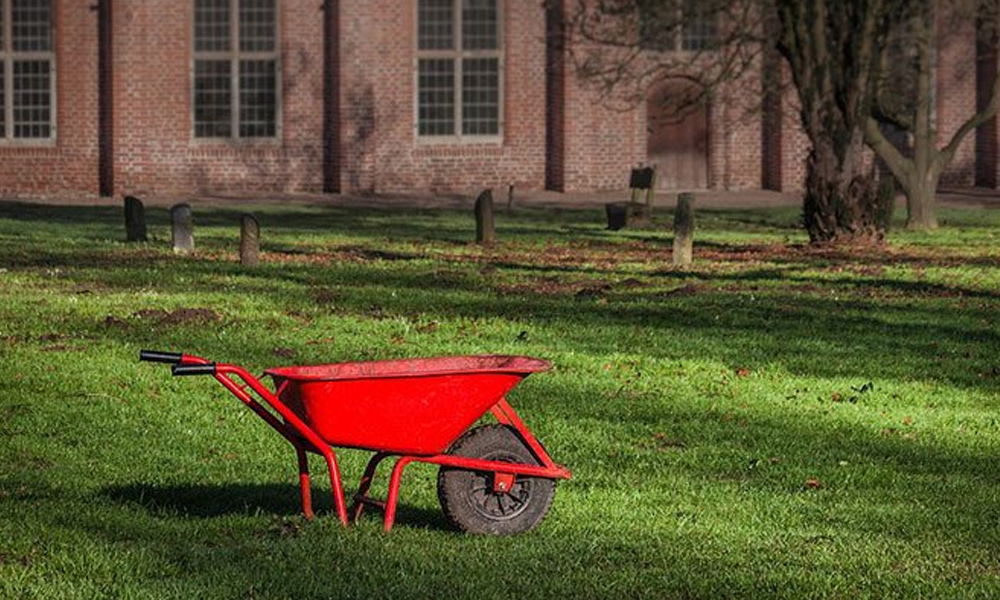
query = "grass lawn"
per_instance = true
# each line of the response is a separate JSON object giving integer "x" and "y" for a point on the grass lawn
{"x": 778, "y": 421}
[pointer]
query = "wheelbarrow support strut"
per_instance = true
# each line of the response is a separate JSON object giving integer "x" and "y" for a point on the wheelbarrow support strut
{"x": 505, "y": 472}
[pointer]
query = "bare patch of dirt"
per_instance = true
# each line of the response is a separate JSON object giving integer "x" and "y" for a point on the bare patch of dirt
{"x": 326, "y": 296}
{"x": 599, "y": 290}
{"x": 543, "y": 286}
{"x": 689, "y": 289}
{"x": 52, "y": 337}
{"x": 61, "y": 348}
{"x": 113, "y": 321}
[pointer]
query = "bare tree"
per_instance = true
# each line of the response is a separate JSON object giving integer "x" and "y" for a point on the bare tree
{"x": 625, "y": 47}
{"x": 905, "y": 98}
{"x": 832, "y": 49}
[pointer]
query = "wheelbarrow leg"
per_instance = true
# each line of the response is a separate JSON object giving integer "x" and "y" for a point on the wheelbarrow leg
{"x": 335, "y": 486}
{"x": 307, "y": 507}
{"x": 361, "y": 497}
{"x": 393, "y": 499}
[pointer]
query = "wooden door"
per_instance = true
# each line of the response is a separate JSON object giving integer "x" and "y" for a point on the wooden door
{"x": 677, "y": 144}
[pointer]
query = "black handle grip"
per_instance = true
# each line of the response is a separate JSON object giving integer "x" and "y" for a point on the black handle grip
{"x": 159, "y": 356}
{"x": 204, "y": 369}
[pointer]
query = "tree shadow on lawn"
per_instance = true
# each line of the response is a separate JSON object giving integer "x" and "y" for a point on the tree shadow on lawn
{"x": 637, "y": 553}
{"x": 780, "y": 326}
{"x": 402, "y": 223}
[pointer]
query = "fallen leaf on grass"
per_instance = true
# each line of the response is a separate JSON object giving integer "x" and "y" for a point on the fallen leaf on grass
{"x": 284, "y": 352}
{"x": 813, "y": 484}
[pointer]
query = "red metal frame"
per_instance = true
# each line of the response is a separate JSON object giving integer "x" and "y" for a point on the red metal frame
{"x": 304, "y": 439}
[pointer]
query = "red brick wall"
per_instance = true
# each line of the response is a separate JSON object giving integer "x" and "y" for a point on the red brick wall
{"x": 155, "y": 151}
{"x": 956, "y": 94}
{"x": 795, "y": 144}
{"x": 380, "y": 149}
{"x": 735, "y": 125}
{"x": 601, "y": 142}
{"x": 69, "y": 164}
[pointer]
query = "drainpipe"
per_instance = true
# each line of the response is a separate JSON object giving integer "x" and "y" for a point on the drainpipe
{"x": 105, "y": 101}
{"x": 331, "y": 96}
{"x": 555, "y": 95}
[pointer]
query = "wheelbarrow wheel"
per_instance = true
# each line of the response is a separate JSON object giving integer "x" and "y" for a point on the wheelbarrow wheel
{"x": 468, "y": 498}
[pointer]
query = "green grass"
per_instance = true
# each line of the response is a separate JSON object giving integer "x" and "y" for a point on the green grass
{"x": 778, "y": 421}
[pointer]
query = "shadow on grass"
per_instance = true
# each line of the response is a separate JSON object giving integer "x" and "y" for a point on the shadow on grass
{"x": 210, "y": 501}
{"x": 850, "y": 320}
{"x": 895, "y": 523}
{"x": 443, "y": 224}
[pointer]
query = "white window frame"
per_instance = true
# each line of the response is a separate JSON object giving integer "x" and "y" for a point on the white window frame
{"x": 8, "y": 56}
{"x": 234, "y": 55}
{"x": 456, "y": 55}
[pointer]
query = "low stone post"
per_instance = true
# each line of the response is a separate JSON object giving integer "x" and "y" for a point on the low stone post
{"x": 135, "y": 220}
{"x": 684, "y": 230}
{"x": 249, "y": 240}
{"x": 182, "y": 228}
{"x": 485, "y": 227}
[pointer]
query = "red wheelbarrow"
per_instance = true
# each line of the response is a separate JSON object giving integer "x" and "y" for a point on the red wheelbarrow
{"x": 494, "y": 478}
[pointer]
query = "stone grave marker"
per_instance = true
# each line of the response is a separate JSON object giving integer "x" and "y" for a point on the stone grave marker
{"x": 684, "y": 230}
{"x": 485, "y": 226}
{"x": 135, "y": 220}
{"x": 249, "y": 240}
{"x": 182, "y": 228}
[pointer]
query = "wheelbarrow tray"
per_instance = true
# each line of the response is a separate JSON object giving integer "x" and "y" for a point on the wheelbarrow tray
{"x": 409, "y": 407}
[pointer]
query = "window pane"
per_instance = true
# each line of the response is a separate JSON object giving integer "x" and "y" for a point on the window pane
{"x": 258, "y": 96}
{"x": 31, "y": 26}
{"x": 435, "y": 25}
{"x": 257, "y": 25}
{"x": 699, "y": 27}
{"x": 211, "y": 26}
{"x": 212, "y": 99}
{"x": 659, "y": 24}
{"x": 32, "y": 99}
{"x": 479, "y": 25}
{"x": 436, "y": 97}
{"x": 480, "y": 96}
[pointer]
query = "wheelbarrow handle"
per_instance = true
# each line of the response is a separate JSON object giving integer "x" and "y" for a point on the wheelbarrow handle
{"x": 203, "y": 369}
{"x": 173, "y": 358}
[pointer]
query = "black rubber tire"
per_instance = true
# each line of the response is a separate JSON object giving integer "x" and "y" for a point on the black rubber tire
{"x": 467, "y": 497}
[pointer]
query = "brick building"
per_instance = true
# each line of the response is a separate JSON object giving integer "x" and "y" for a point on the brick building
{"x": 112, "y": 97}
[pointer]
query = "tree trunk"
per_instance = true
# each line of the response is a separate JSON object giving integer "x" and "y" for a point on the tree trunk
{"x": 920, "y": 205}
{"x": 841, "y": 203}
